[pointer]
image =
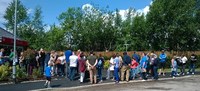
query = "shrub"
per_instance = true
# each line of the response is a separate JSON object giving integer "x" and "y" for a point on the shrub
{"x": 5, "y": 72}
{"x": 106, "y": 64}
{"x": 37, "y": 73}
{"x": 20, "y": 73}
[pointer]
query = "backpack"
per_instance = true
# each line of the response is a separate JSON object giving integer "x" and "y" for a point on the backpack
{"x": 155, "y": 62}
{"x": 100, "y": 62}
{"x": 179, "y": 61}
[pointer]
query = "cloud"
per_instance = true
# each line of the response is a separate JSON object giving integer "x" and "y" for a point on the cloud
{"x": 89, "y": 6}
{"x": 123, "y": 14}
{"x": 143, "y": 11}
{"x": 3, "y": 5}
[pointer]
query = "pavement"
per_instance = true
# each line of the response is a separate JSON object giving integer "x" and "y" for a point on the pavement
{"x": 64, "y": 84}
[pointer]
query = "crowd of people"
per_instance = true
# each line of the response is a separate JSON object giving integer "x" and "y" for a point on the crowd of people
{"x": 125, "y": 67}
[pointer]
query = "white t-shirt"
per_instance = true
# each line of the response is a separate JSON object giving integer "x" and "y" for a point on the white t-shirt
{"x": 111, "y": 64}
{"x": 73, "y": 59}
{"x": 62, "y": 59}
{"x": 184, "y": 59}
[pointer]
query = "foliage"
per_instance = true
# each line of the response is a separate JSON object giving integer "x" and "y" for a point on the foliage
{"x": 20, "y": 73}
{"x": 37, "y": 73}
{"x": 5, "y": 72}
{"x": 106, "y": 64}
{"x": 9, "y": 15}
{"x": 169, "y": 24}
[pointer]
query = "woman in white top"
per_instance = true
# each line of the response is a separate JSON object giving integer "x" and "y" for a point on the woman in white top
{"x": 111, "y": 68}
{"x": 61, "y": 64}
{"x": 184, "y": 60}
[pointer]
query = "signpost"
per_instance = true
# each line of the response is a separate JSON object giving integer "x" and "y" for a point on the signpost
{"x": 15, "y": 55}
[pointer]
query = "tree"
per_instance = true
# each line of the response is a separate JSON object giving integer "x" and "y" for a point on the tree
{"x": 38, "y": 29}
{"x": 55, "y": 39}
{"x": 9, "y": 15}
{"x": 171, "y": 24}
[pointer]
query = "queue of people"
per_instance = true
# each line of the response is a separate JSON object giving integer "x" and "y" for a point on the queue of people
{"x": 121, "y": 68}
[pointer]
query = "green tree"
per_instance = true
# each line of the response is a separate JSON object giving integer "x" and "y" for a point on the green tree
{"x": 10, "y": 12}
{"x": 171, "y": 24}
{"x": 33, "y": 30}
{"x": 55, "y": 39}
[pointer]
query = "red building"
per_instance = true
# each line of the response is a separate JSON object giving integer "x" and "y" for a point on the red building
{"x": 7, "y": 41}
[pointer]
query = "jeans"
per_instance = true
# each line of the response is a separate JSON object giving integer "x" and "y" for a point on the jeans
{"x": 60, "y": 69}
{"x": 72, "y": 73}
{"x": 192, "y": 67}
{"x": 116, "y": 70}
{"x": 67, "y": 70}
{"x": 99, "y": 69}
{"x": 155, "y": 72}
{"x": 174, "y": 72}
{"x": 133, "y": 73}
{"x": 108, "y": 73}
{"x": 45, "y": 65}
{"x": 183, "y": 68}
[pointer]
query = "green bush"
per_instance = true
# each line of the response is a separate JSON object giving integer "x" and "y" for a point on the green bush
{"x": 20, "y": 73}
{"x": 5, "y": 72}
{"x": 106, "y": 64}
{"x": 37, "y": 73}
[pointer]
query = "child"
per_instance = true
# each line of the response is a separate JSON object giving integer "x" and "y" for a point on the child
{"x": 134, "y": 65}
{"x": 174, "y": 67}
{"x": 48, "y": 72}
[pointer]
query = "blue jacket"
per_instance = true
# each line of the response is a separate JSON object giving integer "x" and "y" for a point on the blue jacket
{"x": 163, "y": 57}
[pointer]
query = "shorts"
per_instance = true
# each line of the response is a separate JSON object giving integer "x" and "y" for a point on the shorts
{"x": 48, "y": 78}
{"x": 162, "y": 65}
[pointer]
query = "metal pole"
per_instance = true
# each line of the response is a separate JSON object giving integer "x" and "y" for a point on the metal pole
{"x": 15, "y": 57}
{"x": 126, "y": 46}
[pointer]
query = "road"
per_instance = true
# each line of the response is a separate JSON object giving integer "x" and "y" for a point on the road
{"x": 61, "y": 83}
{"x": 186, "y": 83}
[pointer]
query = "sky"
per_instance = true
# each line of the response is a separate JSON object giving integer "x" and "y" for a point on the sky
{"x": 51, "y": 9}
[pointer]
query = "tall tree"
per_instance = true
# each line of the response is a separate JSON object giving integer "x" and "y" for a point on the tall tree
{"x": 170, "y": 24}
{"x": 10, "y": 12}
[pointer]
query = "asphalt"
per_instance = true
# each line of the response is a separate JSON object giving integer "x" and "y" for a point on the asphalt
{"x": 58, "y": 82}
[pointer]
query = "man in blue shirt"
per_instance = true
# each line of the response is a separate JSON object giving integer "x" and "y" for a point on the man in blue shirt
{"x": 143, "y": 65}
{"x": 125, "y": 66}
{"x": 136, "y": 56}
{"x": 68, "y": 53}
{"x": 162, "y": 58}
